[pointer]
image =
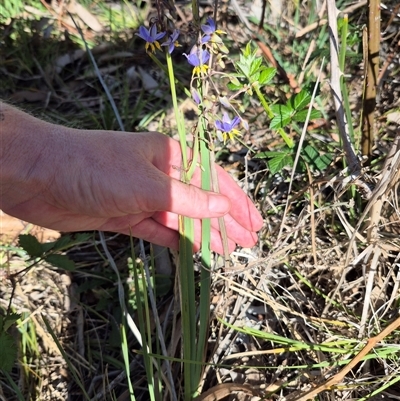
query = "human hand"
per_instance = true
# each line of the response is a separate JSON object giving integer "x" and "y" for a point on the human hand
{"x": 122, "y": 182}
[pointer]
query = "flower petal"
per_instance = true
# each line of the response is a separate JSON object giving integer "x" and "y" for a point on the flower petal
{"x": 153, "y": 31}
{"x": 144, "y": 33}
{"x": 209, "y": 27}
{"x": 193, "y": 60}
{"x": 226, "y": 119}
{"x": 205, "y": 39}
{"x": 218, "y": 125}
{"x": 160, "y": 35}
{"x": 205, "y": 56}
{"x": 211, "y": 22}
{"x": 175, "y": 35}
{"x": 235, "y": 122}
{"x": 196, "y": 96}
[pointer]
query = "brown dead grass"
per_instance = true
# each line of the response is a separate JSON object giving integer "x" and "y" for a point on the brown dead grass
{"x": 295, "y": 283}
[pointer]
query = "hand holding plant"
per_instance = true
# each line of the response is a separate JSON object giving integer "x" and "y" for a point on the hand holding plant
{"x": 121, "y": 182}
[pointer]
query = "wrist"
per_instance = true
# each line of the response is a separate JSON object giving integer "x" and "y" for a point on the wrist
{"x": 24, "y": 147}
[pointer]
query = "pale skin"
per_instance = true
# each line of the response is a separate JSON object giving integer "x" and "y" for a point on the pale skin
{"x": 78, "y": 180}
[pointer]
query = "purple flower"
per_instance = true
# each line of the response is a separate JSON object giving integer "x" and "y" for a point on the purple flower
{"x": 226, "y": 124}
{"x": 209, "y": 29}
{"x": 198, "y": 59}
{"x": 196, "y": 96}
{"x": 228, "y": 127}
{"x": 151, "y": 36}
{"x": 172, "y": 41}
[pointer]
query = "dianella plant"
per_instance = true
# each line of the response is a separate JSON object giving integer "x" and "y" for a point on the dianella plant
{"x": 218, "y": 121}
{"x": 194, "y": 312}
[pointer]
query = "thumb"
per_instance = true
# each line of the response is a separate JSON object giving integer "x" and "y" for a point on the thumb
{"x": 187, "y": 200}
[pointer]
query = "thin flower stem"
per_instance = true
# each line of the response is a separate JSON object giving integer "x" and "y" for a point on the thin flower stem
{"x": 195, "y": 11}
{"x": 342, "y": 59}
{"x": 289, "y": 141}
{"x": 165, "y": 69}
{"x": 205, "y": 277}
{"x": 186, "y": 264}
{"x": 178, "y": 115}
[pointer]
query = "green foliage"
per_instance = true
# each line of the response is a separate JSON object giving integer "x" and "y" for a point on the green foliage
{"x": 60, "y": 261}
{"x": 312, "y": 156}
{"x": 50, "y": 252}
{"x": 8, "y": 348}
{"x": 160, "y": 283}
{"x": 30, "y": 245}
{"x": 15, "y": 9}
{"x": 7, "y": 321}
{"x": 295, "y": 109}
{"x": 249, "y": 77}
{"x": 8, "y": 352}
{"x": 353, "y": 38}
{"x": 278, "y": 160}
{"x": 250, "y": 69}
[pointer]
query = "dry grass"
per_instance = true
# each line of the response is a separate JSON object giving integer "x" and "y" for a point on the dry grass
{"x": 325, "y": 276}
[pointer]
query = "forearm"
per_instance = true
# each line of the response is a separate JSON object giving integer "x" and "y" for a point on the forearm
{"x": 24, "y": 143}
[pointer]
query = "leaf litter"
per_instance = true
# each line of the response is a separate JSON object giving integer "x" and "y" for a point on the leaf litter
{"x": 296, "y": 284}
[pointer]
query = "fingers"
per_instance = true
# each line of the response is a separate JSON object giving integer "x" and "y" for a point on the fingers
{"x": 164, "y": 193}
{"x": 243, "y": 209}
{"x": 148, "y": 230}
{"x": 169, "y": 194}
{"x": 157, "y": 233}
{"x": 235, "y": 232}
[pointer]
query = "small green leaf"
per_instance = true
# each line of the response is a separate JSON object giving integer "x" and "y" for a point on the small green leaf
{"x": 310, "y": 153}
{"x": 324, "y": 161}
{"x": 61, "y": 261}
{"x": 255, "y": 77}
{"x": 281, "y": 110}
{"x": 235, "y": 81}
{"x": 243, "y": 68}
{"x": 280, "y": 161}
{"x": 7, "y": 321}
{"x": 266, "y": 75}
{"x": 247, "y": 50}
{"x": 63, "y": 243}
{"x": 261, "y": 155}
{"x": 48, "y": 246}
{"x": 312, "y": 156}
{"x": 301, "y": 116}
{"x": 267, "y": 154}
{"x": 302, "y": 99}
{"x": 8, "y": 352}
{"x": 279, "y": 122}
{"x": 255, "y": 65}
{"x": 82, "y": 237}
{"x": 234, "y": 87}
{"x": 58, "y": 245}
{"x": 30, "y": 245}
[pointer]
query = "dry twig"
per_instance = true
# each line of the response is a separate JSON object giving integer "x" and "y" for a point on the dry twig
{"x": 338, "y": 378}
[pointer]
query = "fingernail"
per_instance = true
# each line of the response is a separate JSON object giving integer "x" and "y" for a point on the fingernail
{"x": 218, "y": 204}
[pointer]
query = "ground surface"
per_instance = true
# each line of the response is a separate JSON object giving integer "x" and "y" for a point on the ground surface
{"x": 300, "y": 283}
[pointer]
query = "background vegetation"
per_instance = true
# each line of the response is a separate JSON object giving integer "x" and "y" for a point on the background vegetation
{"x": 311, "y": 312}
